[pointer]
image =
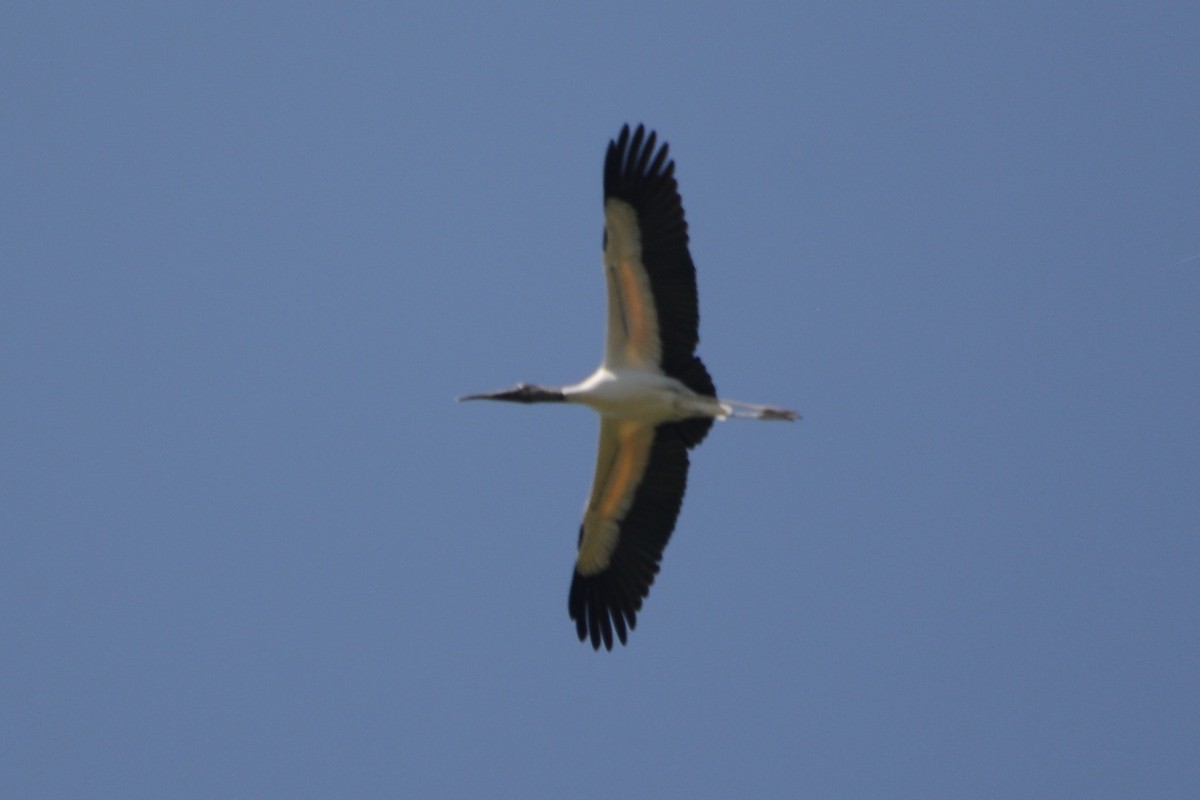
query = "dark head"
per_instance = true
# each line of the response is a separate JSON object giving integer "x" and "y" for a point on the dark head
{"x": 521, "y": 393}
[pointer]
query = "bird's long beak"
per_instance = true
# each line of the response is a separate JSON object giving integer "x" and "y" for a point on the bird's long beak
{"x": 521, "y": 393}
{"x": 484, "y": 396}
{"x": 517, "y": 392}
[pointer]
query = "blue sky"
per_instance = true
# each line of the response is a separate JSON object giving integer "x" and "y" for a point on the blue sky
{"x": 252, "y": 548}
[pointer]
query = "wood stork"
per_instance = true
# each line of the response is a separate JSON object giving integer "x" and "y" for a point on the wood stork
{"x": 655, "y": 399}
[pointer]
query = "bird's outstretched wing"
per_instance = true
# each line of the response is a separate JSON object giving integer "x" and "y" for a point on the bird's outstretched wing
{"x": 653, "y": 314}
{"x": 641, "y": 475}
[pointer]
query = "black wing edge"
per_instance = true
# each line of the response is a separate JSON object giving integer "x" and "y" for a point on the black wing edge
{"x": 609, "y": 601}
{"x": 696, "y": 377}
{"x": 635, "y": 173}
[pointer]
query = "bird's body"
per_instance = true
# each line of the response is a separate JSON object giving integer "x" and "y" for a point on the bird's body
{"x": 641, "y": 395}
{"x": 653, "y": 394}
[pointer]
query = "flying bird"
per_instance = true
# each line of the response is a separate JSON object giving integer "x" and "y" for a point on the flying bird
{"x": 654, "y": 396}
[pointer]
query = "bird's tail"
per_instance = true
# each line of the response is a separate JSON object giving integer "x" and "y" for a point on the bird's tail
{"x": 732, "y": 409}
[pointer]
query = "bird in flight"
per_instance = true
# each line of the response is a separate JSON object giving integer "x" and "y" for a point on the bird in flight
{"x": 655, "y": 399}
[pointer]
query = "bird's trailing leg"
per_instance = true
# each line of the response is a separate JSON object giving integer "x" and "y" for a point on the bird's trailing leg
{"x": 734, "y": 410}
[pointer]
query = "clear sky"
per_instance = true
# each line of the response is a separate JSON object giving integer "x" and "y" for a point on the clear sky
{"x": 250, "y": 547}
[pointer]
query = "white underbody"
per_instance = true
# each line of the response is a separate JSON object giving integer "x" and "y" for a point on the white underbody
{"x": 638, "y": 395}
{"x": 643, "y": 396}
